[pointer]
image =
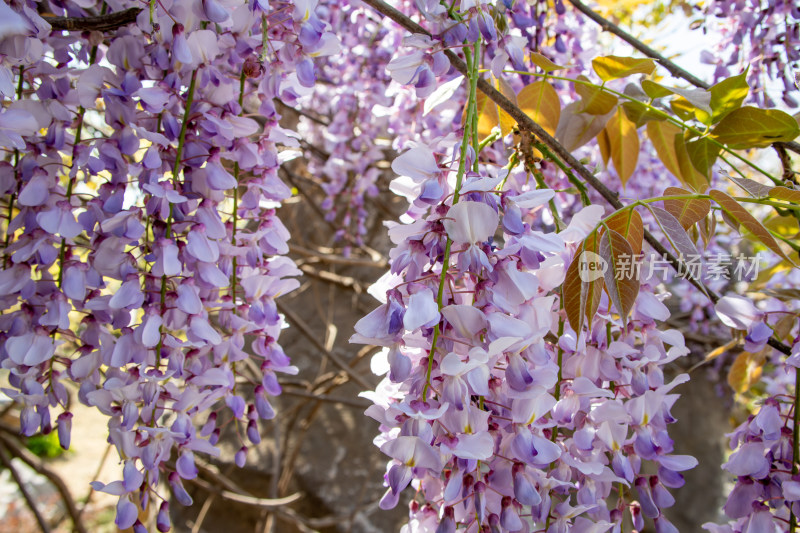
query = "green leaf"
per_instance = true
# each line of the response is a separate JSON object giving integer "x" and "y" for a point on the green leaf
{"x": 655, "y": 90}
{"x": 594, "y": 99}
{"x": 623, "y": 143}
{"x": 543, "y": 63}
{"x": 683, "y": 108}
{"x": 702, "y": 153}
{"x": 689, "y": 174}
{"x": 639, "y": 113}
{"x": 727, "y": 96}
{"x": 751, "y": 127}
{"x": 613, "y": 67}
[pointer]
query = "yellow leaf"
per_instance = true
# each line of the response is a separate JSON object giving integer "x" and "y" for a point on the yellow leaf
{"x": 662, "y": 135}
{"x": 745, "y": 371}
{"x": 613, "y": 67}
{"x": 540, "y": 102}
{"x": 594, "y": 100}
{"x": 543, "y": 63}
{"x": 491, "y": 116}
{"x": 623, "y": 141}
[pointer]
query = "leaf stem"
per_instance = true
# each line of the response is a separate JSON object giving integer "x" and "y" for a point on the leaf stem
{"x": 471, "y": 124}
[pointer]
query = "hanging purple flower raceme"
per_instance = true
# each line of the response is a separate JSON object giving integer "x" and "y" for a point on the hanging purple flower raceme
{"x": 493, "y": 410}
{"x": 143, "y": 253}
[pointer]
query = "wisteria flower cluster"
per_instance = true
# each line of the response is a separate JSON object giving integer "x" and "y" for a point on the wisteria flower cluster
{"x": 497, "y": 413}
{"x": 143, "y": 254}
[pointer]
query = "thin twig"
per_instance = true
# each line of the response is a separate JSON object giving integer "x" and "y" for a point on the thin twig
{"x": 96, "y": 475}
{"x": 107, "y": 22}
{"x": 673, "y": 68}
{"x": 35, "y": 463}
{"x": 6, "y": 460}
{"x": 327, "y": 398}
{"x": 337, "y": 279}
{"x": 309, "y": 334}
{"x": 329, "y": 257}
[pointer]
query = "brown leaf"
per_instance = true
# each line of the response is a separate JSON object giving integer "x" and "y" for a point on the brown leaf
{"x": 743, "y": 216}
{"x": 688, "y": 211}
{"x": 581, "y": 298}
{"x": 785, "y": 193}
{"x": 576, "y": 129}
{"x": 751, "y": 187}
{"x": 620, "y": 278}
{"x": 628, "y": 223}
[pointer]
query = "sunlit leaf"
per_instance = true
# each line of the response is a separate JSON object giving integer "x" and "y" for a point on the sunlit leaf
{"x": 594, "y": 100}
{"x": 688, "y": 211}
{"x": 613, "y": 67}
{"x": 689, "y": 175}
{"x": 662, "y": 135}
{"x": 639, "y": 113}
{"x": 785, "y": 193}
{"x": 543, "y": 63}
{"x": 540, "y": 102}
{"x": 683, "y": 108}
{"x": 745, "y": 371}
{"x": 727, "y": 95}
{"x": 623, "y": 142}
{"x": 743, "y": 217}
{"x": 491, "y": 116}
{"x": 702, "y": 153}
{"x": 751, "y": 127}
{"x": 603, "y": 145}
{"x": 628, "y": 223}
{"x": 655, "y": 90}
{"x": 785, "y": 226}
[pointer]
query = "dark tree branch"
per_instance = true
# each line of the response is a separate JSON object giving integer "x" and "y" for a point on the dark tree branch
{"x": 107, "y": 22}
{"x": 609, "y": 26}
{"x": 526, "y": 123}
{"x": 673, "y": 68}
